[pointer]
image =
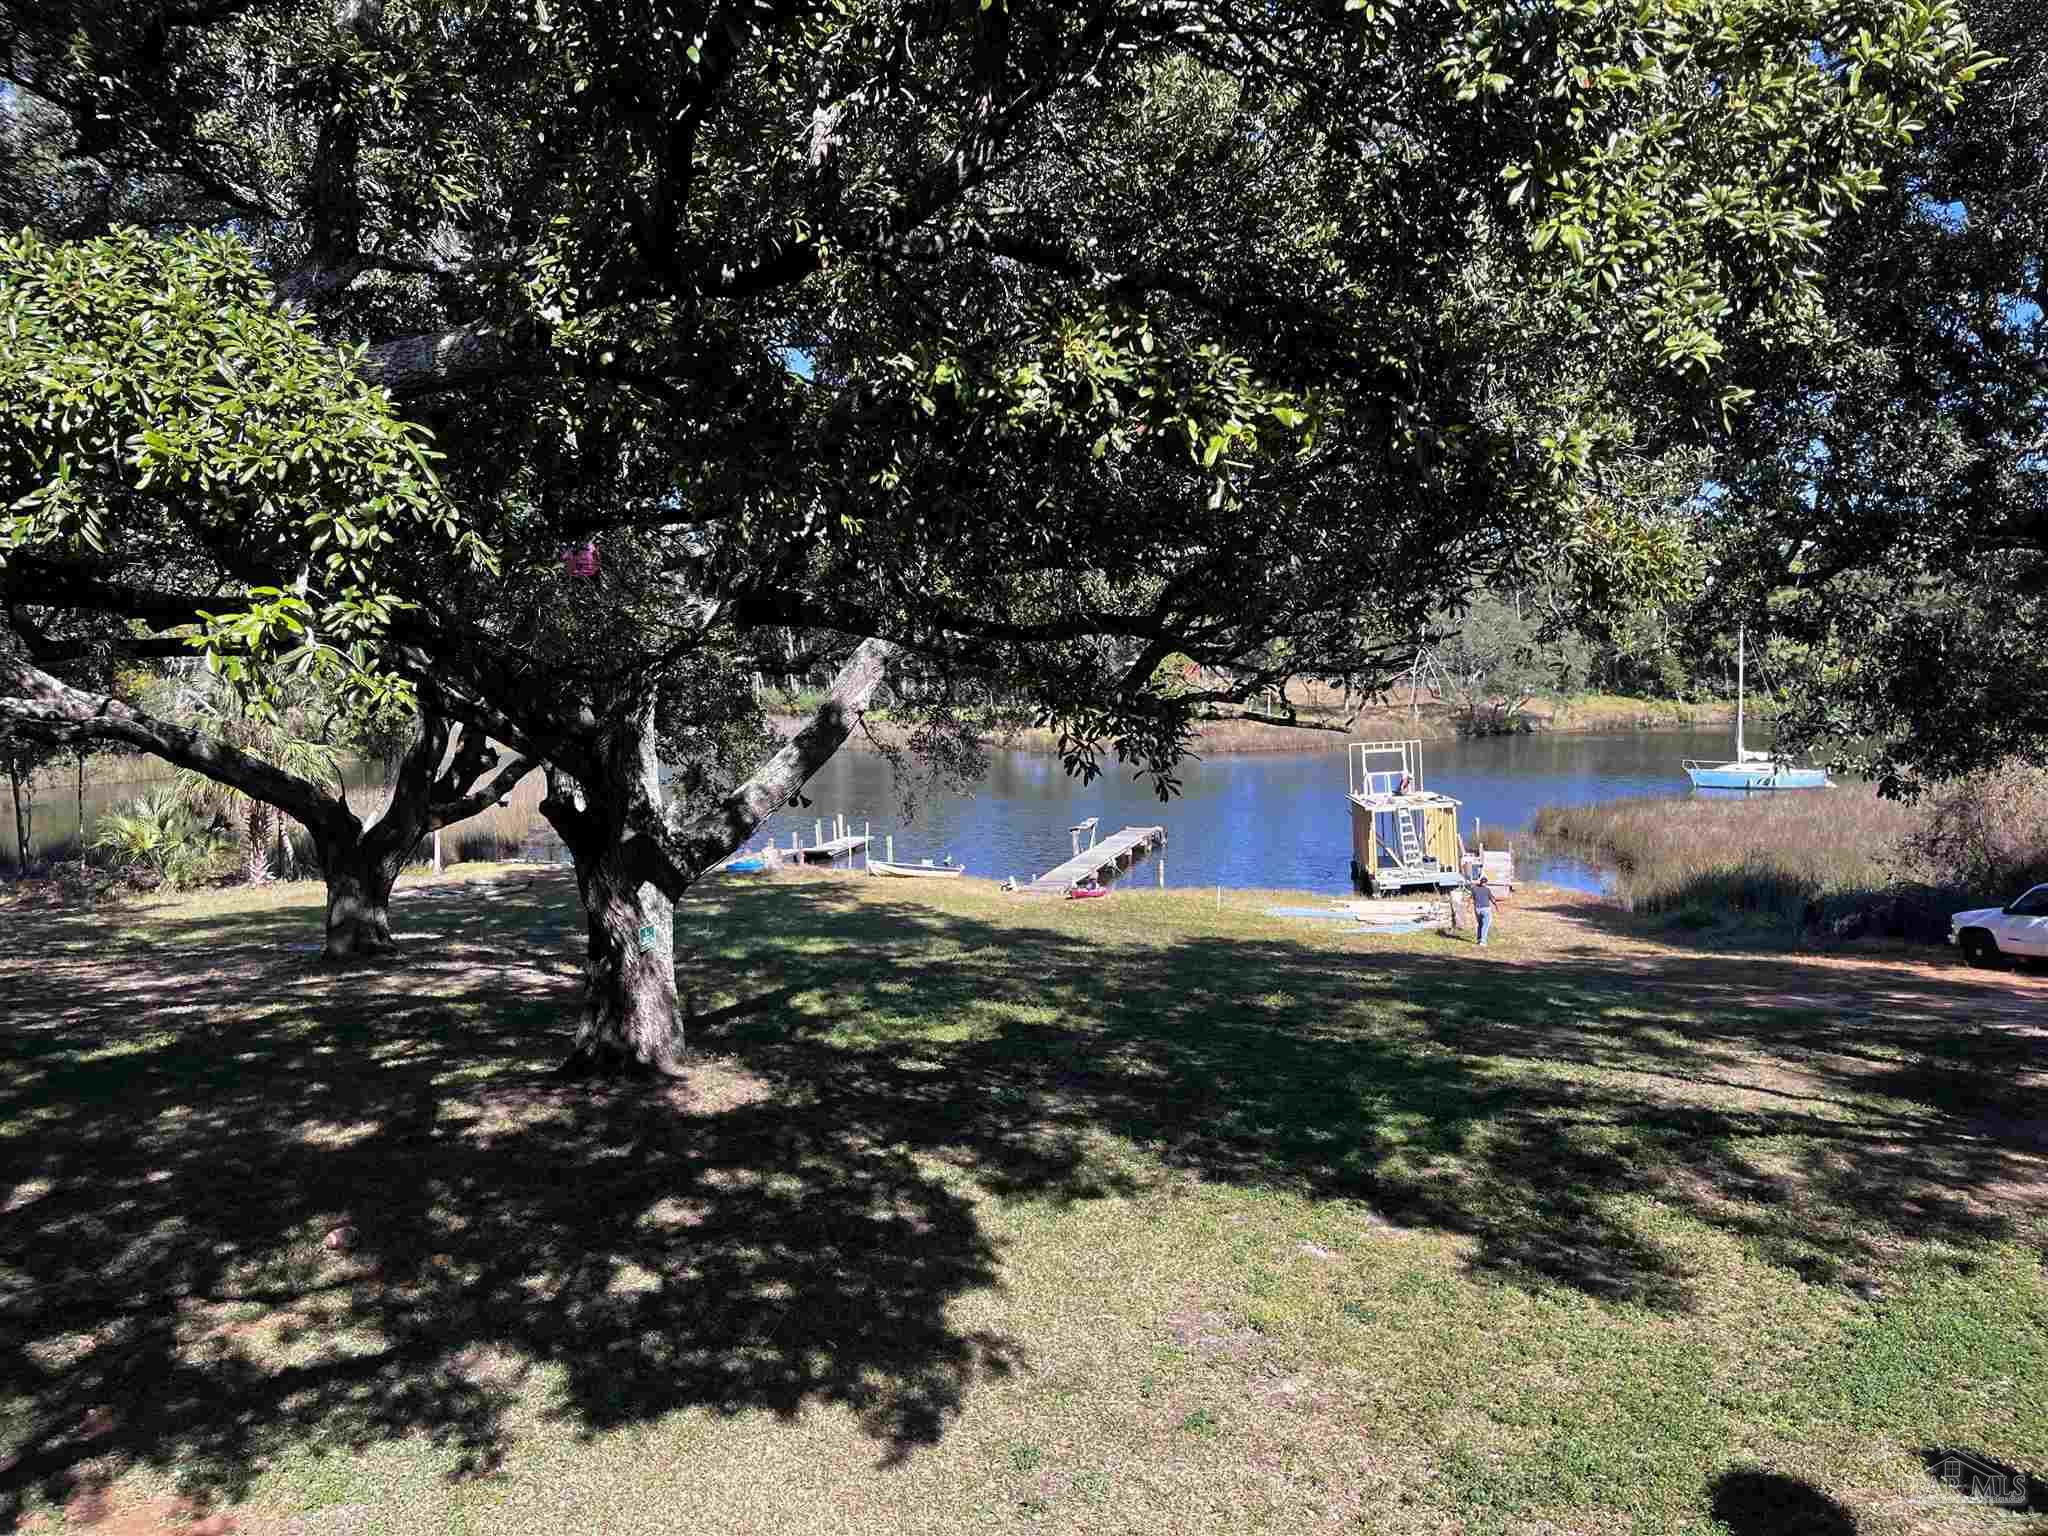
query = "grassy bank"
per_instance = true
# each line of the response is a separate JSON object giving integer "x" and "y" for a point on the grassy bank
{"x": 1139, "y": 1215}
{"x": 1616, "y": 712}
{"x": 1835, "y": 857}
{"x": 1329, "y": 724}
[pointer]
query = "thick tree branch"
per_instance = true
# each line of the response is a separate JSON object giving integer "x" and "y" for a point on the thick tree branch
{"x": 676, "y": 851}
{"x": 489, "y": 793}
{"x": 55, "y": 711}
{"x": 458, "y": 358}
{"x": 28, "y": 581}
{"x": 334, "y": 193}
{"x": 456, "y": 794}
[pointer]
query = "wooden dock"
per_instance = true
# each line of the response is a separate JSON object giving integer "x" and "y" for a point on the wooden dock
{"x": 1107, "y": 857}
{"x": 828, "y": 850}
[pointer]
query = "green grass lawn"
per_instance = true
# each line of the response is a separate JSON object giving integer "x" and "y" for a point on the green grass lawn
{"x": 1141, "y": 1215}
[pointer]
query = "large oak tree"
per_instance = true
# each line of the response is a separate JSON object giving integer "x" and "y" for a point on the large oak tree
{"x": 1124, "y": 329}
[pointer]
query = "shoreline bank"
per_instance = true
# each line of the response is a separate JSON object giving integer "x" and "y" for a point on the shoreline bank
{"x": 1325, "y": 731}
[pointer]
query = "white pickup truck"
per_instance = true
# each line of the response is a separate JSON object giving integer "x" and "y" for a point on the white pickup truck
{"x": 2019, "y": 928}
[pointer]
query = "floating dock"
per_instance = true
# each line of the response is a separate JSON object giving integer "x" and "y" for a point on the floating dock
{"x": 1108, "y": 857}
{"x": 842, "y": 842}
{"x": 829, "y": 850}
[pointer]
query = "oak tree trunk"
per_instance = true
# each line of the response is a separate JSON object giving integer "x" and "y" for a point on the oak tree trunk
{"x": 22, "y": 814}
{"x": 630, "y": 1025}
{"x": 359, "y": 882}
{"x": 361, "y": 864}
{"x": 634, "y": 857}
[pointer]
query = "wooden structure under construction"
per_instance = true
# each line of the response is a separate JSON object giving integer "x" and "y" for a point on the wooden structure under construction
{"x": 1404, "y": 836}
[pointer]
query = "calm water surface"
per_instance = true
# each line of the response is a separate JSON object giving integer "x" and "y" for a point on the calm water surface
{"x": 55, "y": 807}
{"x": 1250, "y": 820}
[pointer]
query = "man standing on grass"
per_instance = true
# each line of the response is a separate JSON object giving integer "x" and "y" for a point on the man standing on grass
{"x": 1483, "y": 903}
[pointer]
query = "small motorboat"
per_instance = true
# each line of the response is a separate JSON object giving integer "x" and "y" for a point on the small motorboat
{"x": 924, "y": 871}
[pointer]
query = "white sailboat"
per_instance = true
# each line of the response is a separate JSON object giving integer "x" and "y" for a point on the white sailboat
{"x": 1751, "y": 770}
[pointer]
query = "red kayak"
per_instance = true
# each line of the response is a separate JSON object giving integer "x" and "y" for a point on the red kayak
{"x": 1086, "y": 892}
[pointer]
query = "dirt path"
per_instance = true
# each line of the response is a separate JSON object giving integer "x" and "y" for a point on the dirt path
{"x": 1878, "y": 978}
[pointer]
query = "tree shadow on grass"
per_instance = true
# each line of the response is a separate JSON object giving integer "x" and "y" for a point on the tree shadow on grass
{"x": 1520, "y": 1105}
{"x": 1752, "y": 1502}
{"x": 196, "y": 1109}
{"x": 169, "y": 1299}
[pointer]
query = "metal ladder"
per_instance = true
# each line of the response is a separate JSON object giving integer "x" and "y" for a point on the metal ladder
{"x": 1411, "y": 845}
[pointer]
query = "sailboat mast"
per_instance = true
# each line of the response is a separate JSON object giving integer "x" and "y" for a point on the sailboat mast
{"x": 1740, "y": 641}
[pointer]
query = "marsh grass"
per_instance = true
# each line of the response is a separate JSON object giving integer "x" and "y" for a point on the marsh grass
{"x": 1494, "y": 837}
{"x": 1617, "y": 712}
{"x": 1797, "y": 858}
{"x": 1766, "y": 854}
{"x": 501, "y": 831}
{"x": 1137, "y": 1215}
